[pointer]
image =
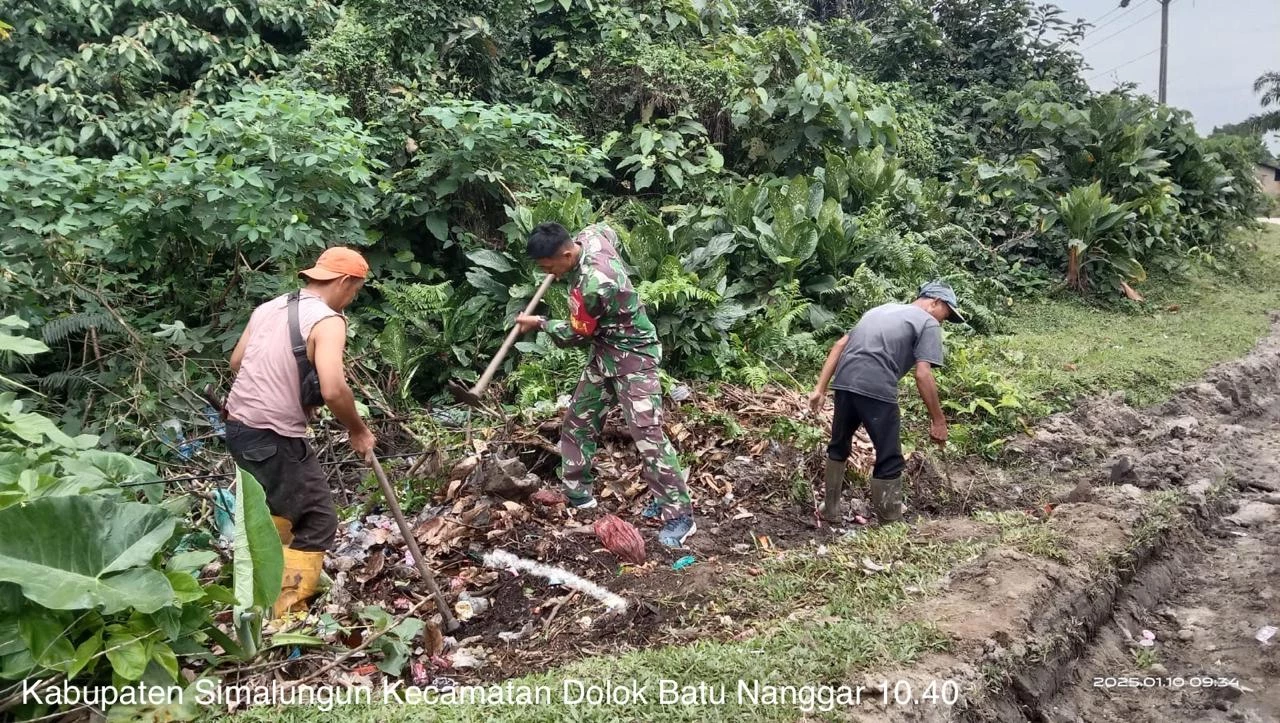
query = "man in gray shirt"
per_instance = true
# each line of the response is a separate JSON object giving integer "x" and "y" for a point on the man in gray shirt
{"x": 866, "y": 364}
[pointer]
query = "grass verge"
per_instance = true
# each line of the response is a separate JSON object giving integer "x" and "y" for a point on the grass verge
{"x": 1147, "y": 351}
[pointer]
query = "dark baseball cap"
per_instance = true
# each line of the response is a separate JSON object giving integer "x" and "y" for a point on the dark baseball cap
{"x": 943, "y": 292}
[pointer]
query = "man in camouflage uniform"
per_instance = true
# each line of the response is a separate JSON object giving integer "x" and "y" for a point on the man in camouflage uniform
{"x": 605, "y": 312}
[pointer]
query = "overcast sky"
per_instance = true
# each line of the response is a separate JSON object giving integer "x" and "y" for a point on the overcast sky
{"x": 1216, "y": 50}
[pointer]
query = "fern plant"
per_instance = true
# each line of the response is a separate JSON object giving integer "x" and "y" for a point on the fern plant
{"x": 673, "y": 286}
{"x": 62, "y": 328}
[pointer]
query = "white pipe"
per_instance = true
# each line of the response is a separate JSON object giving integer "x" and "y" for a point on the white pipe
{"x": 505, "y": 560}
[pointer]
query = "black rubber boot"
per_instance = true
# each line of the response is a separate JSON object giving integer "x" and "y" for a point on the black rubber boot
{"x": 834, "y": 486}
{"x": 886, "y": 499}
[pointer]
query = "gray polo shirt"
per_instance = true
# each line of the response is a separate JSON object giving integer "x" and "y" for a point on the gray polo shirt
{"x": 884, "y": 346}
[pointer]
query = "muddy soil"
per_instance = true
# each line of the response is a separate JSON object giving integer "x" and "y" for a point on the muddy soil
{"x": 1223, "y": 587}
{"x": 1172, "y": 517}
{"x": 1205, "y": 663}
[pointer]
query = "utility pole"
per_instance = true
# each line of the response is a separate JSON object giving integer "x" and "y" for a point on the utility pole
{"x": 1164, "y": 46}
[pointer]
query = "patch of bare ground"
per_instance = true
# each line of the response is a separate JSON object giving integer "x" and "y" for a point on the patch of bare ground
{"x": 1143, "y": 597}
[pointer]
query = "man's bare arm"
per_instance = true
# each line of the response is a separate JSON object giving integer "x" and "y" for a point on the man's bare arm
{"x": 329, "y": 337}
{"x": 237, "y": 354}
{"x": 828, "y": 370}
{"x": 927, "y": 386}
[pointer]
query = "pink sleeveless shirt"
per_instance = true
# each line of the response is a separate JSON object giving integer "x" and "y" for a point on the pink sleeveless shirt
{"x": 265, "y": 393}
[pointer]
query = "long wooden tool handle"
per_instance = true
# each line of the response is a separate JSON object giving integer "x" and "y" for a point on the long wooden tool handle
{"x": 510, "y": 341}
{"x": 407, "y": 533}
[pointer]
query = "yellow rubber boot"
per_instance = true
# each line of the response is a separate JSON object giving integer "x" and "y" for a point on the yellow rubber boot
{"x": 285, "y": 528}
{"x": 301, "y": 576}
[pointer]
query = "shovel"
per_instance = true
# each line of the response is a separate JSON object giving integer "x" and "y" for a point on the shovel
{"x": 472, "y": 396}
{"x": 406, "y": 532}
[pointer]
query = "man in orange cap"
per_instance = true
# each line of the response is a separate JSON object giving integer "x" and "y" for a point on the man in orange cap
{"x": 288, "y": 362}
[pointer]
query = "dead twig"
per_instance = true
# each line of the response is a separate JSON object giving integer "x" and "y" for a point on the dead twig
{"x": 546, "y": 625}
{"x": 14, "y": 698}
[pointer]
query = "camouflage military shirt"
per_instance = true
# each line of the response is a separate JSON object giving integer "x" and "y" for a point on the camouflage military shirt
{"x": 605, "y": 310}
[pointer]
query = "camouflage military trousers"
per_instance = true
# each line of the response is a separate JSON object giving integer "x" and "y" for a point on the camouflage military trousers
{"x": 640, "y": 396}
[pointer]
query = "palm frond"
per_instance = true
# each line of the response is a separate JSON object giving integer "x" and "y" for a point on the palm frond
{"x": 63, "y": 327}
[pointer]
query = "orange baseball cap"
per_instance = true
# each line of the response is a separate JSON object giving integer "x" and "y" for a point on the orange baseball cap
{"x": 335, "y": 262}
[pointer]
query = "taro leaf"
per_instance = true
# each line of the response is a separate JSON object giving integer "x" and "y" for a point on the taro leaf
{"x": 101, "y": 468}
{"x": 33, "y": 428}
{"x": 258, "y": 566}
{"x": 46, "y": 639}
{"x": 73, "y": 553}
{"x": 21, "y": 345}
{"x": 191, "y": 561}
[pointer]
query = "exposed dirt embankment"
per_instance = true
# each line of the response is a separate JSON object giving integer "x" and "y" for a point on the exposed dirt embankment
{"x": 1153, "y": 573}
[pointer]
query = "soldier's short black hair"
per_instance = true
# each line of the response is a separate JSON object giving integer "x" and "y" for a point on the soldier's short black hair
{"x": 546, "y": 240}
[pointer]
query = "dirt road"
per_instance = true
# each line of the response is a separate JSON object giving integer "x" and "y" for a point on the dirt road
{"x": 1139, "y": 595}
{"x": 1205, "y": 663}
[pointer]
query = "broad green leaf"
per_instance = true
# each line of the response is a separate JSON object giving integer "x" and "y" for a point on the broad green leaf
{"x": 10, "y": 638}
{"x": 258, "y": 565}
{"x": 880, "y": 115}
{"x": 378, "y": 618}
{"x": 17, "y": 666}
{"x": 169, "y": 620}
{"x": 85, "y": 653}
{"x": 490, "y": 259}
{"x": 34, "y": 428}
{"x": 191, "y": 561}
{"x": 644, "y": 178}
{"x": 109, "y": 468}
{"x": 219, "y": 594}
{"x": 394, "y": 655}
{"x": 437, "y": 225}
{"x": 46, "y": 639}
{"x": 674, "y": 173}
{"x": 73, "y": 553}
{"x": 163, "y": 656}
{"x": 21, "y": 345}
{"x": 185, "y": 587}
{"x": 127, "y": 653}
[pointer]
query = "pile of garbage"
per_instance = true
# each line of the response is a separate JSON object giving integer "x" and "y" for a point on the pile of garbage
{"x": 520, "y": 567}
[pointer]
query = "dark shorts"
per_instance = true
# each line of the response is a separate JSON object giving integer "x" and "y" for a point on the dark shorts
{"x": 290, "y": 474}
{"x": 883, "y": 422}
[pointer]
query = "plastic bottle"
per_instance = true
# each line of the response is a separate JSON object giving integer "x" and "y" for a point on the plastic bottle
{"x": 215, "y": 421}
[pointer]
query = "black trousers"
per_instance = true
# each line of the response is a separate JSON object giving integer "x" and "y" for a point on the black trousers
{"x": 290, "y": 474}
{"x": 883, "y": 422}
